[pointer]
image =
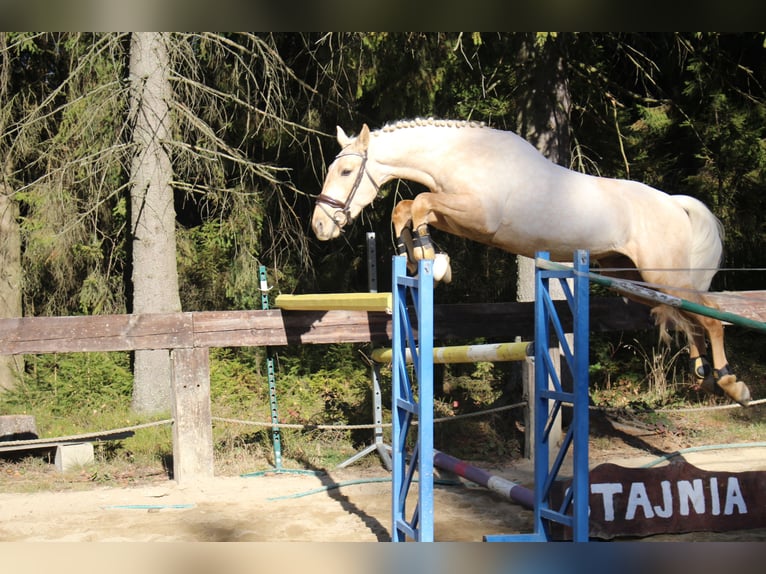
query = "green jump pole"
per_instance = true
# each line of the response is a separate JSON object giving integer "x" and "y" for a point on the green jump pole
{"x": 645, "y": 293}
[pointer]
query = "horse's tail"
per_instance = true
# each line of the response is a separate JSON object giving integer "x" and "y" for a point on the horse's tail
{"x": 706, "y": 254}
{"x": 707, "y": 241}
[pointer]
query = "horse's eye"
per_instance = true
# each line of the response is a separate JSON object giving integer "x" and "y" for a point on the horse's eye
{"x": 345, "y": 172}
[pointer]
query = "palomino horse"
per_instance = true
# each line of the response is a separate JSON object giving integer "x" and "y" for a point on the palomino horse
{"x": 493, "y": 187}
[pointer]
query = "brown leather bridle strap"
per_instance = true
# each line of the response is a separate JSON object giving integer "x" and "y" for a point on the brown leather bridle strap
{"x": 344, "y": 206}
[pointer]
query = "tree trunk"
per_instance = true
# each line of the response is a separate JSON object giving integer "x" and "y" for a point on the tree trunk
{"x": 152, "y": 212}
{"x": 10, "y": 232}
{"x": 544, "y": 122}
{"x": 11, "y": 366}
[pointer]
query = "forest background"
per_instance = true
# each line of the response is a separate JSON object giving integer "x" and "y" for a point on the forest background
{"x": 152, "y": 172}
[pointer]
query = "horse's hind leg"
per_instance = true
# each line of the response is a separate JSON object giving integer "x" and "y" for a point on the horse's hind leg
{"x": 724, "y": 378}
{"x": 717, "y": 379}
{"x": 700, "y": 363}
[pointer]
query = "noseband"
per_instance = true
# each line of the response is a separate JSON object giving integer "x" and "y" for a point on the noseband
{"x": 344, "y": 206}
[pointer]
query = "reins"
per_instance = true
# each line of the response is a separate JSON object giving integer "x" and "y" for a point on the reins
{"x": 344, "y": 206}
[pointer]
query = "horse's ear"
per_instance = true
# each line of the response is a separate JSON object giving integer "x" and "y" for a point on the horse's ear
{"x": 343, "y": 139}
{"x": 364, "y": 137}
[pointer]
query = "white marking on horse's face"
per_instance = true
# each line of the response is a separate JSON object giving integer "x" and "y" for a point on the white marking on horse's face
{"x": 327, "y": 220}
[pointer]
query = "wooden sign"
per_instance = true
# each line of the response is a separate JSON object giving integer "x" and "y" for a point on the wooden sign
{"x": 670, "y": 499}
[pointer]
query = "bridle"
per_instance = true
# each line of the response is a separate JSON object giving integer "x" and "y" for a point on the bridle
{"x": 343, "y": 207}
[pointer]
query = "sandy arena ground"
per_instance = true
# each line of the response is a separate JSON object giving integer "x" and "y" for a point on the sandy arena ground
{"x": 353, "y": 504}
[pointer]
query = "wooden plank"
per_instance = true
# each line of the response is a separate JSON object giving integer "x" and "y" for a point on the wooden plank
{"x": 509, "y": 320}
{"x": 45, "y": 444}
{"x": 238, "y": 328}
{"x": 749, "y": 304}
{"x": 276, "y": 327}
{"x": 192, "y": 418}
{"x": 95, "y": 333}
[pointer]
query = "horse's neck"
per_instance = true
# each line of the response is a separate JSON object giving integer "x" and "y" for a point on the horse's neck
{"x": 426, "y": 154}
{"x": 417, "y": 154}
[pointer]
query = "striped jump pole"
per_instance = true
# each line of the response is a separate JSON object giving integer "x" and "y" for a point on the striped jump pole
{"x": 492, "y": 352}
{"x": 507, "y": 488}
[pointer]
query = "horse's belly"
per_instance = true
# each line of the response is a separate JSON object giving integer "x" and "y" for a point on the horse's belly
{"x": 555, "y": 233}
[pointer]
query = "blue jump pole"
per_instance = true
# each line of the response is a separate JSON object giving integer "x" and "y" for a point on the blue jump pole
{"x": 417, "y": 524}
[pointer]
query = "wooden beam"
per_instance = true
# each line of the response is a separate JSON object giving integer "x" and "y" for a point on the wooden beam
{"x": 192, "y": 418}
{"x": 278, "y": 328}
{"x": 275, "y": 327}
{"x": 95, "y": 333}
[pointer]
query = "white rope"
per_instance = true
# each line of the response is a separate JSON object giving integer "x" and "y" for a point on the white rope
{"x": 103, "y": 435}
{"x": 98, "y": 435}
{"x": 370, "y": 426}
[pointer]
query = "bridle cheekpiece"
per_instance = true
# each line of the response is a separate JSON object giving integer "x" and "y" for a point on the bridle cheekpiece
{"x": 344, "y": 206}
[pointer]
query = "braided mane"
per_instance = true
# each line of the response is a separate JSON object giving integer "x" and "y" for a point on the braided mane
{"x": 421, "y": 122}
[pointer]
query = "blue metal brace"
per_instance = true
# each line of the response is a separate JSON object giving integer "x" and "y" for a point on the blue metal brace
{"x": 408, "y": 408}
{"x": 572, "y": 512}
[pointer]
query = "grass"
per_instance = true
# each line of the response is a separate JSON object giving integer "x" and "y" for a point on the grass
{"x": 655, "y": 379}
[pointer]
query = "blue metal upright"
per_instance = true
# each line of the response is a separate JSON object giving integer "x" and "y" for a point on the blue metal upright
{"x": 412, "y": 400}
{"x": 572, "y": 512}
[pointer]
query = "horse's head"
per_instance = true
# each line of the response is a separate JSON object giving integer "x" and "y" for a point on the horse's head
{"x": 348, "y": 187}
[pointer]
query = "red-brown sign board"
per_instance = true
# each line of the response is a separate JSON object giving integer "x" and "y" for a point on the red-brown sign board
{"x": 674, "y": 498}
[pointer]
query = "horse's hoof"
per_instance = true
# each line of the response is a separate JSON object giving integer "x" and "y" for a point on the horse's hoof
{"x": 734, "y": 389}
{"x": 442, "y": 268}
{"x": 709, "y": 385}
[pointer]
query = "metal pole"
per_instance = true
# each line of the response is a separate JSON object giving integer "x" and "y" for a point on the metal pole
{"x": 580, "y": 421}
{"x": 275, "y": 432}
{"x": 377, "y": 405}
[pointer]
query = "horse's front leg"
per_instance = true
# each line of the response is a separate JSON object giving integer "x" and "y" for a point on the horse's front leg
{"x": 401, "y": 218}
{"x": 459, "y": 214}
{"x": 417, "y": 246}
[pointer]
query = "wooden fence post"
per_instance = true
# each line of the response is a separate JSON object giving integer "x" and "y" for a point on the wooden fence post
{"x": 193, "y": 423}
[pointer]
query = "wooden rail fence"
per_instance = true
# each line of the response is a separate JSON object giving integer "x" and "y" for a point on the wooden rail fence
{"x": 189, "y": 336}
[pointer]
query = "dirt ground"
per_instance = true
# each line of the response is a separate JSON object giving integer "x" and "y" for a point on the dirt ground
{"x": 348, "y": 505}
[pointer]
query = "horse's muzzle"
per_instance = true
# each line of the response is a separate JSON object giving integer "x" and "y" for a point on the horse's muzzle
{"x": 325, "y": 228}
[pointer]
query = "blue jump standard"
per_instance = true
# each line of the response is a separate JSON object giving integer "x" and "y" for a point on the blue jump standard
{"x": 572, "y": 513}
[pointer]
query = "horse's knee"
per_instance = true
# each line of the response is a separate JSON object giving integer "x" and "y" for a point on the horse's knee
{"x": 423, "y": 246}
{"x": 401, "y": 217}
{"x": 442, "y": 268}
